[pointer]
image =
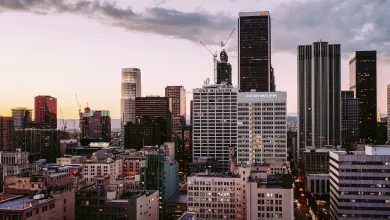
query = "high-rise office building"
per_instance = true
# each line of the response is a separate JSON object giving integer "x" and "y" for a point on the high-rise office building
{"x": 349, "y": 119}
{"x": 191, "y": 111}
{"x": 160, "y": 174}
{"x": 139, "y": 135}
{"x": 155, "y": 109}
{"x": 362, "y": 80}
{"x": 130, "y": 89}
{"x": 215, "y": 123}
{"x": 388, "y": 112}
{"x": 359, "y": 183}
{"x": 95, "y": 125}
{"x": 319, "y": 95}
{"x": 224, "y": 69}
{"x": 177, "y": 96}
{"x": 40, "y": 143}
{"x": 262, "y": 127}
{"x": 6, "y": 133}
{"x": 254, "y": 52}
{"x": 22, "y": 117}
{"x": 45, "y": 112}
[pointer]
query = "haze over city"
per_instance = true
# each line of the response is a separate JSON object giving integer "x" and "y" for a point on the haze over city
{"x": 59, "y": 48}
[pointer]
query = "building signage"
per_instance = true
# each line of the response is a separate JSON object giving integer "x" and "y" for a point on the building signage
{"x": 261, "y": 95}
{"x": 215, "y": 90}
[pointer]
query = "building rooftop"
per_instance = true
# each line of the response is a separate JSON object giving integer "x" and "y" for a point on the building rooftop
{"x": 134, "y": 193}
{"x": 283, "y": 181}
{"x": 212, "y": 174}
{"x": 188, "y": 216}
{"x": 180, "y": 198}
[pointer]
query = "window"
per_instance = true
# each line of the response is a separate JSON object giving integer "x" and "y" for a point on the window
{"x": 64, "y": 209}
{"x": 64, "y": 201}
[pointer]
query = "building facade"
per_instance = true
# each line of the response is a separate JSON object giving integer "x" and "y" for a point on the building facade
{"x": 362, "y": 80}
{"x": 155, "y": 109}
{"x": 177, "y": 96}
{"x": 95, "y": 125}
{"x": 388, "y": 112}
{"x": 138, "y": 135}
{"x": 359, "y": 183}
{"x": 130, "y": 89}
{"x": 224, "y": 69}
{"x": 45, "y": 112}
{"x": 40, "y": 143}
{"x": 349, "y": 119}
{"x": 319, "y": 119}
{"x": 102, "y": 168}
{"x": 262, "y": 127}
{"x": 162, "y": 175}
{"x": 6, "y": 133}
{"x": 254, "y": 52}
{"x": 215, "y": 123}
{"x": 22, "y": 117}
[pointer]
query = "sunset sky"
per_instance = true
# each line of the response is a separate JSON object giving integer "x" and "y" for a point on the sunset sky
{"x": 60, "y": 48}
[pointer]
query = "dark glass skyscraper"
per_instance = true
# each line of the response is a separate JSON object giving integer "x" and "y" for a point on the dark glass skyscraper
{"x": 224, "y": 69}
{"x": 45, "y": 112}
{"x": 254, "y": 52}
{"x": 349, "y": 119}
{"x": 319, "y": 95}
{"x": 155, "y": 109}
{"x": 362, "y": 80}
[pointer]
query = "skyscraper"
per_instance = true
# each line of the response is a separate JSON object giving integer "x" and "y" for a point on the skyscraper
{"x": 362, "y": 80}
{"x": 224, "y": 69}
{"x": 45, "y": 112}
{"x": 95, "y": 125}
{"x": 155, "y": 109}
{"x": 6, "y": 133}
{"x": 215, "y": 123}
{"x": 130, "y": 89}
{"x": 319, "y": 94}
{"x": 349, "y": 119}
{"x": 254, "y": 52}
{"x": 177, "y": 96}
{"x": 262, "y": 127}
{"x": 22, "y": 117}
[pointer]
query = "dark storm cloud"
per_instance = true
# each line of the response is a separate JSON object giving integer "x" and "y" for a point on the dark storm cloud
{"x": 355, "y": 24}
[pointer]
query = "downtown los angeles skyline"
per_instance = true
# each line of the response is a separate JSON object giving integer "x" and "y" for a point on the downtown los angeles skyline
{"x": 68, "y": 49}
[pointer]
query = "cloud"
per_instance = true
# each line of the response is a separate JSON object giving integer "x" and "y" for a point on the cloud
{"x": 193, "y": 26}
{"x": 355, "y": 24}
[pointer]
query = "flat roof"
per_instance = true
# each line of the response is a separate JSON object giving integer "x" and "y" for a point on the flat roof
{"x": 188, "y": 216}
{"x": 20, "y": 203}
{"x": 178, "y": 198}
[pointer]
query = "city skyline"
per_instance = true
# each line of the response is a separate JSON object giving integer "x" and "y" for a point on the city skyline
{"x": 69, "y": 52}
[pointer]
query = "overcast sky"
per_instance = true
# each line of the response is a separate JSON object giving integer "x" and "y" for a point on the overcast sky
{"x": 59, "y": 48}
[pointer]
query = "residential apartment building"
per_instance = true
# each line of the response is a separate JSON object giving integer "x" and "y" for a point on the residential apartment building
{"x": 262, "y": 127}
{"x": 95, "y": 125}
{"x": 359, "y": 186}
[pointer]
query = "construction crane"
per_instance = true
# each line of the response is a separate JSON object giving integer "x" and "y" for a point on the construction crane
{"x": 224, "y": 44}
{"x": 214, "y": 60}
{"x": 63, "y": 121}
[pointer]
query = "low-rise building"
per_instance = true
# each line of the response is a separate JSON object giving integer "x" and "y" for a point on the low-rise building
{"x": 102, "y": 168}
{"x": 176, "y": 206}
{"x": 56, "y": 203}
{"x": 188, "y": 216}
{"x": 201, "y": 164}
{"x": 69, "y": 159}
{"x": 359, "y": 183}
{"x": 96, "y": 202}
{"x": 132, "y": 167}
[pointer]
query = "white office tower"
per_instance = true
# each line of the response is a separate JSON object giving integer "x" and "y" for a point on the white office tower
{"x": 130, "y": 88}
{"x": 214, "y": 122}
{"x": 262, "y": 127}
{"x": 360, "y": 183}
